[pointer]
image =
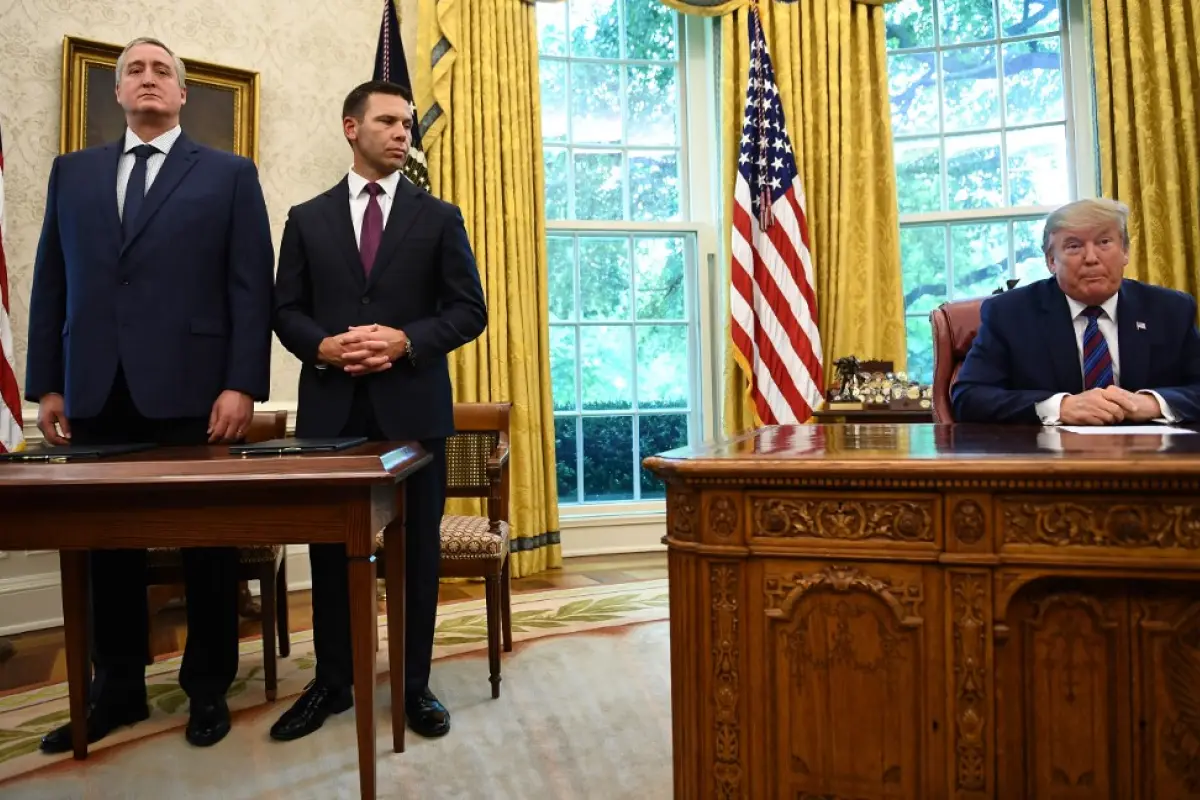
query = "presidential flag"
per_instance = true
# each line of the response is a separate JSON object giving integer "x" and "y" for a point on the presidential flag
{"x": 11, "y": 436}
{"x": 772, "y": 302}
{"x": 391, "y": 66}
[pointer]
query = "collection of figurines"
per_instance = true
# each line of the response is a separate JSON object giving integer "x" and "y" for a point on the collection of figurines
{"x": 872, "y": 385}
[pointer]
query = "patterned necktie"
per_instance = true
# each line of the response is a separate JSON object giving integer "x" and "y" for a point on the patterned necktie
{"x": 135, "y": 190}
{"x": 1097, "y": 361}
{"x": 372, "y": 228}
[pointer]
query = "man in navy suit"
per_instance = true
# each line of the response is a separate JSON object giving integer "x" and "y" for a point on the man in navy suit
{"x": 150, "y": 320}
{"x": 1085, "y": 346}
{"x": 376, "y": 285}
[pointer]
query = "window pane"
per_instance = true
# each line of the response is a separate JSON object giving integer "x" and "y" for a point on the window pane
{"x": 658, "y": 433}
{"x": 912, "y": 86}
{"x": 972, "y": 88}
{"x": 973, "y": 171}
{"x": 979, "y": 258}
{"x": 654, "y": 185}
{"x": 909, "y": 24}
{"x": 1027, "y": 245}
{"x": 607, "y": 458}
{"x": 1033, "y": 82}
{"x": 562, "y": 367}
{"x": 560, "y": 252}
{"x": 662, "y": 366}
{"x": 596, "y": 103}
{"x": 649, "y": 30}
{"x": 923, "y": 257}
{"x": 556, "y": 182}
{"x": 1037, "y": 166}
{"x": 920, "y": 349}
{"x": 919, "y": 175}
{"x": 598, "y": 192}
{"x": 607, "y": 354}
{"x": 552, "y": 29}
{"x": 964, "y": 20}
{"x": 595, "y": 28}
{"x": 554, "y": 100}
{"x": 604, "y": 277}
{"x": 1021, "y": 17}
{"x": 565, "y": 458}
{"x": 659, "y": 277}
{"x": 651, "y": 99}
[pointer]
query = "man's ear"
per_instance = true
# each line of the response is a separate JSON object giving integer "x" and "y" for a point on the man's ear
{"x": 183, "y": 95}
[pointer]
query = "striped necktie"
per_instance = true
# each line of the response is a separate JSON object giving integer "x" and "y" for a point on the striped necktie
{"x": 1097, "y": 361}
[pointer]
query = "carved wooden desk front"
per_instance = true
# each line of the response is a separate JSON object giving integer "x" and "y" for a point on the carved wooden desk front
{"x": 921, "y": 611}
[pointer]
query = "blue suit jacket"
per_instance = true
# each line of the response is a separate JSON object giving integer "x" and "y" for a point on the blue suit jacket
{"x": 1025, "y": 352}
{"x": 184, "y": 306}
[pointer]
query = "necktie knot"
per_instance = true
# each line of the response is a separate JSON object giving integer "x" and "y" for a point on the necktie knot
{"x": 374, "y": 189}
{"x": 144, "y": 151}
{"x": 1093, "y": 312}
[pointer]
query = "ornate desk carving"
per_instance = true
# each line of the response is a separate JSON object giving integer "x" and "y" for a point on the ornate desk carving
{"x": 921, "y": 611}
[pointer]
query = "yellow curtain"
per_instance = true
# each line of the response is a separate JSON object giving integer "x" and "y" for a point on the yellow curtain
{"x": 1147, "y": 63}
{"x": 488, "y": 123}
{"x": 830, "y": 64}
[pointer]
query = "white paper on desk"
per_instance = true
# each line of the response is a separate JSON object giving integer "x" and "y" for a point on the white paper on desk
{"x": 1125, "y": 430}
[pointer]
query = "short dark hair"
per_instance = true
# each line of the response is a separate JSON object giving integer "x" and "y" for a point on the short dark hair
{"x": 356, "y": 102}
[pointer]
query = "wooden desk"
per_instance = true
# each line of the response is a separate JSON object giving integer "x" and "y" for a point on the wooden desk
{"x": 187, "y": 497}
{"x": 921, "y": 611}
{"x": 872, "y": 415}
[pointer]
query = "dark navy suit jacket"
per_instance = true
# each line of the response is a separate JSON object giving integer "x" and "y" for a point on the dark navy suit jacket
{"x": 1026, "y": 351}
{"x": 184, "y": 306}
{"x": 424, "y": 282}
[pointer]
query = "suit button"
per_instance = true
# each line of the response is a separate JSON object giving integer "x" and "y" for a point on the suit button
{"x": 366, "y": 301}
{"x": 125, "y": 283}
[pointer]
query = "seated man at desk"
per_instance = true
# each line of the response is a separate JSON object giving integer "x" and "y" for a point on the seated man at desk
{"x": 1085, "y": 346}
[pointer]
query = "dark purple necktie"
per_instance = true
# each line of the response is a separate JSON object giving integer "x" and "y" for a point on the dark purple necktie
{"x": 1097, "y": 361}
{"x": 372, "y": 228}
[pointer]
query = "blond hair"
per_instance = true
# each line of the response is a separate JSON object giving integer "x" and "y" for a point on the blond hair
{"x": 180, "y": 70}
{"x": 1091, "y": 213}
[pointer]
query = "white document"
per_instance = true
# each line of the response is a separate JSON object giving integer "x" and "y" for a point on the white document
{"x": 1124, "y": 430}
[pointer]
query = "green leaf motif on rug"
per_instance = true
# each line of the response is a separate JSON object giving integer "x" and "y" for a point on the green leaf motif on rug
{"x": 471, "y": 628}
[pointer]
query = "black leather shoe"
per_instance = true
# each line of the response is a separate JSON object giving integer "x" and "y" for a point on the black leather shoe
{"x": 103, "y": 719}
{"x": 426, "y": 715}
{"x": 208, "y": 722}
{"x": 312, "y": 709}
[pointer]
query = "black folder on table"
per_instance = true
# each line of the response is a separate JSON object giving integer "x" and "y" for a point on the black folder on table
{"x": 293, "y": 445}
{"x": 73, "y": 452}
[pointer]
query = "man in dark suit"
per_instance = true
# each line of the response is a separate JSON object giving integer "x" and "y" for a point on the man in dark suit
{"x": 1085, "y": 346}
{"x": 376, "y": 285}
{"x": 150, "y": 322}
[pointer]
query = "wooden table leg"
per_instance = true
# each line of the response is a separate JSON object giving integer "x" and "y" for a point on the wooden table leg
{"x": 394, "y": 567}
{"x": 364, "y": 620}
{"x": 73, "y": 567}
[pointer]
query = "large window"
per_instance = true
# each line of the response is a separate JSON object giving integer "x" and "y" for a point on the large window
{"x": 983, "y": 115}
{"x": 622, "y": 243}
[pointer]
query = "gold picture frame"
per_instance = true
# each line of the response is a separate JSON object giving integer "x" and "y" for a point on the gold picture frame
{"x": 221, "y": 109}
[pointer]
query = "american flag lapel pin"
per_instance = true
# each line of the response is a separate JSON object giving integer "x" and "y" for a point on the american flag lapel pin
{"x": 1141, "y": 326}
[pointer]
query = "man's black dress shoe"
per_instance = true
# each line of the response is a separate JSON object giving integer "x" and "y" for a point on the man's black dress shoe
{"x": 103, "y": 719}
{"x": 426, "y": 715}
{"x": 208, "y": 722}
{"x": 310, "y": 712}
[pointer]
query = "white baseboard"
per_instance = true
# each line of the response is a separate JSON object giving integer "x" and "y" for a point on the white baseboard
{"x": 609, "y": 535}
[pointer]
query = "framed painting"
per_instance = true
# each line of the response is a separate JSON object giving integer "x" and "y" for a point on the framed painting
{"x": 221, "y": 109}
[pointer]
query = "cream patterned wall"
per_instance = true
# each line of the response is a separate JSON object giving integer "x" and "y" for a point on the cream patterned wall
{"x": 309, "y": 54}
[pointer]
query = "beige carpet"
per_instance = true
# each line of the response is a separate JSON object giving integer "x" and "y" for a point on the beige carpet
{"x": 584, "y": 713}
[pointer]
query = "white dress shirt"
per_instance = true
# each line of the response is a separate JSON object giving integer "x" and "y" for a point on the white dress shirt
{"x": 1048, "y": 410}
{"x": 163, "y": 142}
{"x": 359, "y": 197}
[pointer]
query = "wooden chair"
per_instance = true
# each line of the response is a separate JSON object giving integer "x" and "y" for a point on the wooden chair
{"x": 267, "y": 565}
{"x": 477, "y": 547}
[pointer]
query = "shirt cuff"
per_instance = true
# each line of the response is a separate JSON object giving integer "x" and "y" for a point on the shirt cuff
{"x": 1048, "y": 410}
{"x": 1167, "y": 414}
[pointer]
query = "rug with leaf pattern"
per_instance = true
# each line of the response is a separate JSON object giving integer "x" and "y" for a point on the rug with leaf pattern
{"x": 461, "y": 628}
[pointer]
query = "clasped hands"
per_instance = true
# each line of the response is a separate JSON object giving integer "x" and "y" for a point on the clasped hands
{"x": 1108, "y": 406}
{"x": 363, "y": 349}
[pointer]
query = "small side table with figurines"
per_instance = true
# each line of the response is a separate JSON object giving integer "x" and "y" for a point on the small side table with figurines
{"x": 869, "y": 391}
